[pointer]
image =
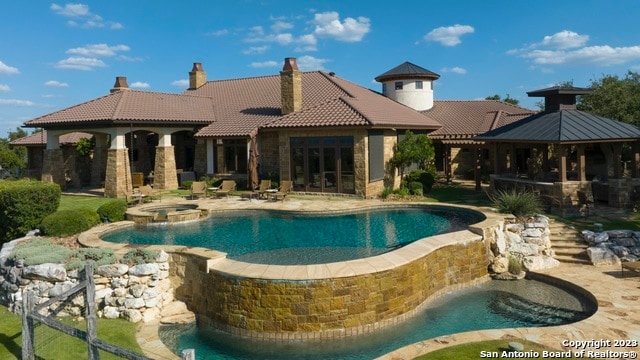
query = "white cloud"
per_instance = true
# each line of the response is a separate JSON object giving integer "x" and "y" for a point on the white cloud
{"x": 307, "y": 43}
{"x": 455, "y": 69}
{"x": 310, "y": 63}
{"x": 8, "y": 70}
{"x": 140, "y": 85}
{"x": 264, "y": 64}
{"x": 183, "y": 83}
{"x": 449, "y": 35}
{"x": 54, "y": 83}
{"x": 83, "y": 17}
{"x": 14, "y": 102}
{"x": 255, "y": 50}
{"x": 98, "y": 50}
{"x": 328, "y": 24}
{"x": 595, "y": 55}
{"x": 71, "y": 10}
{"x": 80, "y": 63}
{"x": 129, "y": 58}
{"x": 279, "y": 26}
{"x": 4, "y": 88}
{"x": 565, "y": 40}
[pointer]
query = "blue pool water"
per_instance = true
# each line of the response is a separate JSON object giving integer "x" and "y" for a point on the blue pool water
{"x": 493, "y": 305}
{"x": 280, "y": 238}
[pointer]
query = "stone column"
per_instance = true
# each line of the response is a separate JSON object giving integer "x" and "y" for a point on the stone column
{"x": 562, "y": 162}
{"x": 165, "y": 175}
{"x": 200, "y": 160}
{"x": 53, "y": 167}
{"x": 582, "y": 174}
{"x": 117, "y": 182}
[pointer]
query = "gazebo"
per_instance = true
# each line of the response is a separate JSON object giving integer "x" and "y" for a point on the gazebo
{"x": 563, "y": 152}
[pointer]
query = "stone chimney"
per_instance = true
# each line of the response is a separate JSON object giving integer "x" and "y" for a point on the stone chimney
{"x": 290, "y": 87}
{"x": 197, "y": 76}
{"x": 120, "y": 85}
{"x": 560, "y": 98}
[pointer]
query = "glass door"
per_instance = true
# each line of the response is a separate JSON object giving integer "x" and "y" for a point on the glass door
{"x": 329, "y": 170}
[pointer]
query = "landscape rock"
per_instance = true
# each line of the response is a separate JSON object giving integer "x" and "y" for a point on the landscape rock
{"x": 602, "y": 256}
{"x": 112, "y": 270}
{"x": 144, "y": 269}
{"x": 537, "y": 263}
{"x": 47, "y": 272}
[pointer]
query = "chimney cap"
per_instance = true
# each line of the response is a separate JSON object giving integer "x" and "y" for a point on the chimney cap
{"x": 120, "y": 84}
{"x": 290, "y": 64}
{"x": 197, "y": 67}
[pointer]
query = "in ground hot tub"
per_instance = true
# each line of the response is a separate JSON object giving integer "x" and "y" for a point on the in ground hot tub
{"x": 164, "y": 214}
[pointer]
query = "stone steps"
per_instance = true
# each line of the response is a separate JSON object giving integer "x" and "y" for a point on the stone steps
{"x": 567, "y": 244}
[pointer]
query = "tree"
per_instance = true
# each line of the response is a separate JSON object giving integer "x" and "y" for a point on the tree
{"x": 614, "y": 98}
{"x": 11, "y": 157}
{"x": 413, "y": 150}
{"x": 507, "y": 99}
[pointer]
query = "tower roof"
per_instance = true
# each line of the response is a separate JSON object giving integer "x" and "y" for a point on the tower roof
{"x": 407, "y": 70}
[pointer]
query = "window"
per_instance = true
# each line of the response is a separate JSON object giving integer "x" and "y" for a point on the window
{"x": 384, "y": 88}
{"x": 419, "y": 85}
{"x": 376, "y": 155}
{"x": 235, "y": 156}
{"x": 398, "y": 85}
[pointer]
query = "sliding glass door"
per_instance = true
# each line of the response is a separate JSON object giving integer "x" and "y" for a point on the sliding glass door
{"x": 322, "y": 164}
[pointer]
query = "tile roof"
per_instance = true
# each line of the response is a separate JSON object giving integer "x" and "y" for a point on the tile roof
{"x": 131, "y": 106}
{"x": 327, "y": 100}
{"x": 564, "y": 126}
{"x": 407, "y": 70}
{"x": 467, "y": 118}
{"x": 40, "y": 138}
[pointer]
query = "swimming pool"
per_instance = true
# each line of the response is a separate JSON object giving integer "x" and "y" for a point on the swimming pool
{"x": 284, "y": 238}
{"x": 492, "y": 305}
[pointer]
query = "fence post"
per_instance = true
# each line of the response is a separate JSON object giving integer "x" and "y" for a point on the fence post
{"x": 90, "y": 305}
{"x": 28, "y": 348}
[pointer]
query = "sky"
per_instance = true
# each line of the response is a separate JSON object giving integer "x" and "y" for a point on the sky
{"x": 58, "y": 54}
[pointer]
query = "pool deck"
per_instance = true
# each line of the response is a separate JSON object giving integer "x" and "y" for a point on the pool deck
{"x": 617, "y": 317}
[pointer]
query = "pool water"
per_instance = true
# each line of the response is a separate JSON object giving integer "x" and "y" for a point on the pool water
{"x": 492, "y": 305}
{"x": 279, "y": 238}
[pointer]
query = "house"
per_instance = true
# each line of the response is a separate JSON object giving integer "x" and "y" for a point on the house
{"x": 324, "y": 133}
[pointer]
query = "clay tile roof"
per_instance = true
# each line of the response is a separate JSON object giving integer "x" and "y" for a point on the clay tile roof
{"x": 468, "y": 118}
{"x": 131, "y": 106}
{"x": 251, "y": 103}
{"x": 40, "y": 138}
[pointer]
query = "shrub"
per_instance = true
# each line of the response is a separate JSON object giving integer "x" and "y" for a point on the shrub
{"x": 65, "y": 223}
{"x": 113, "y": 211}
{"x": 92, "y": 217}
{"x": 23, "y": 205}
{"x": 515, "y": 265}
{"x": 415, "y": 188}
{"x": 139, "y": 256}
{"x": 187, "y": 184}
{"x": 426, "y": 177}
{"x": 97, "y": 256}
{"x": 520, "y": 204}
{"x": 39, "y": 251}
{"x": 402, "y": 191}
{"x": 386, "y": 192}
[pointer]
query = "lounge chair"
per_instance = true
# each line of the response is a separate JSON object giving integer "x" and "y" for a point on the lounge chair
{"x": 135, "y": 198}
{"x": 150, "y": 193}
{"x": 262, "y": 190}
{"x": 226, "y": 187}
{"x": 283, "y": 191}
{"x": 198, "y": 189}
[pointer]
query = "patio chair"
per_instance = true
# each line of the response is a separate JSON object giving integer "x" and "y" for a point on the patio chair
{"x": 262, "y": 190}
{"x": 285, "y": 188}
{"x": 198, "y": 189}
{"x": 226, "y": 187}
{"x": 150, "y": 193}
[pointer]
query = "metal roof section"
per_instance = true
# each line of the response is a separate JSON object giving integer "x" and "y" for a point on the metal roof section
{"x": 564, "y": 126}
{"x": 559, "y": 90}
{"x": 407, "y": 70}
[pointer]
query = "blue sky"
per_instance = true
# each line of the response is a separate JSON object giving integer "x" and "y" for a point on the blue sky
{"x": 57, "y": 54}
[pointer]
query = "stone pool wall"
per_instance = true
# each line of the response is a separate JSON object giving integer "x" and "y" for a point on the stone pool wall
{"x": 325, "y": 307}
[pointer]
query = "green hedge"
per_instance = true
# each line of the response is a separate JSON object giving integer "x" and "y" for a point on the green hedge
{"x": 113, "y": 210}
{"x": 66, "y": 222}
{"x": 23, "y": 205}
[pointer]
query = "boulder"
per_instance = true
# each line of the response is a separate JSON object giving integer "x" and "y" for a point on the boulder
{"x": 602, "y": 256}
{"x": 144, "y": 269}
{"x": 132, "y": 315}
{"x": 110, "y": 312}
{"x": 174, "y": 308}
{"x": 524, "y": 249}
{"x": 46, "y": 272}
{"x": 150, "y": 315}
{"x": 179, "y": 319}
{"x": 137, "y": 290}
{"x": 112, "y": 270}
{"x": 134, "y": 303}
{"x": 100, "y": 294}
{"x": 162, "y": 257}
{"x": 535, "y": 263}
{"x": 500, "y": 242}
{"x": 500, "y": 265}
{"x": 58, "y": 289}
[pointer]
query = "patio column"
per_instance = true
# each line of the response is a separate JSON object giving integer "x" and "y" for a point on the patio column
{"x": 53, "y": 161}
{"x": 582, "y": 174}
{"x": 99, "y": 163}
{"x": 562, "y": 163}
{"x": 635, "y": 159}
{"x": 210, "y": 157}
{"x": 165, "y": 175}
{"x": 617, "y": 160}
{"x": 513, "y": 166}
{"x": 447, "y": 163}
{"x": 495, "y": 157}
{"x": 117, "y": 182}
{"x": 200, "y": 161}
{"x": 545, "y": 159}
{"x": 478, "y": 171}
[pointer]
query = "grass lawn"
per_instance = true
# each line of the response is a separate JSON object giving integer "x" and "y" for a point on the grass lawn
{"x": 73, "y": 202}
{"x": 456, "y": 194}
{"x": 54, "y": 345}
{"x": 475, "y": 349}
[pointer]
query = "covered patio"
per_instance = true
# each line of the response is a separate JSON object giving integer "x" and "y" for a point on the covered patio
{"x": 569, "y": 157}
